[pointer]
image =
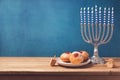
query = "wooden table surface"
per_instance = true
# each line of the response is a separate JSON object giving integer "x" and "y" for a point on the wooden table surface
{"x": 38, "y": 68}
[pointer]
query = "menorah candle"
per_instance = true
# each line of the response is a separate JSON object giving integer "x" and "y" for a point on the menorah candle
{"x": 88, "y": 14}
{"x": 108, "y": 16}
{"x": 92, "y": 12}
{"x": 81, "y": 16}
{"x": 96, "y": 17}
{"x": 112, "y": 16}
{"x": 100, "y": 15}
{"x": 84, "y": 15}
{"x": 104, "y": 20}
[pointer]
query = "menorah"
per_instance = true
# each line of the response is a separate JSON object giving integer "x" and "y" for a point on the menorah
{"x": 97, "y": 28}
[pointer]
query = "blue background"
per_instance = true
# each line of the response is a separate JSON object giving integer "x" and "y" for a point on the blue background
{"x": 49, "y": 27}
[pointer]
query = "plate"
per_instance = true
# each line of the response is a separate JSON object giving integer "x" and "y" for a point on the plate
{"x": 60, "y": 62}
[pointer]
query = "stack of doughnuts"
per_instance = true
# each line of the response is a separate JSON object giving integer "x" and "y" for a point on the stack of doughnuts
{"x": 75, "y": 57}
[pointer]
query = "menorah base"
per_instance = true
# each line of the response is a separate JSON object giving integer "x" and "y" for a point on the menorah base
{"x": 97, "y": 60}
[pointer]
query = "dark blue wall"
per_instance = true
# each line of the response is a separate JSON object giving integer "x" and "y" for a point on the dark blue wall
{"x": 48, "y": 27}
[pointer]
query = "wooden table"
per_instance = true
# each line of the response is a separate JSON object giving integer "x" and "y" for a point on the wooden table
{"x": 38, "y": 68}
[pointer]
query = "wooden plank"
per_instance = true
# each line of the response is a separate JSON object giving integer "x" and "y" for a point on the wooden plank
{"x": 60, "y": 77}
{"x": 40, "y": 65}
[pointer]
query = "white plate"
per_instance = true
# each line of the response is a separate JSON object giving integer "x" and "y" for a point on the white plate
{"x": 60, "y": 62}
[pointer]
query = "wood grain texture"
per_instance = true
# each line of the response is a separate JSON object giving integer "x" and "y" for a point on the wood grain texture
{"x": 38, "y": 68}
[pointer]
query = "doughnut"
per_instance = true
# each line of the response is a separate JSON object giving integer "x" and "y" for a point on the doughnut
{"x": 85, "y": 55}
{"x": 65, "y": 56}
{"x": 76, "y": 58}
